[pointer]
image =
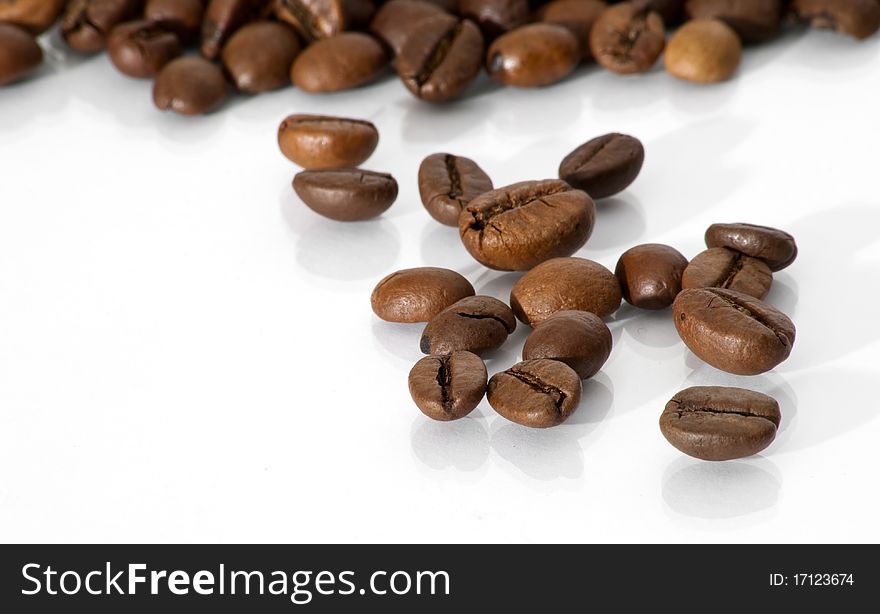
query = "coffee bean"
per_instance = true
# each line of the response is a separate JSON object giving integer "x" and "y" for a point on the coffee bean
{"x": 650, "y": 275}
{"x": 533, "y": 55}
{"x": 317, "y": 19}
{"x": 183, "y": 17}
{"x": 346, "y": 194}
{"x": 775, "y": 247}
{"x": 417, "y": 295}
{"x": 35, "y": 16}
{"x": 448, "y": 183}
{"x": 578, "y": 338}
{"x": 565, "y": 284}
{"x": 448, "y": 387}
{"x": 495, "y": 17}
{"x": 395, "y": 20}
{"x": 517, "y": 227}
{"x": 20, "y": 54}
{"x": 87, "y": 23}
{"x": 719, "y": 267}
{"x": 672, "y": 11}
{"x": 536, "y": 393}
{"x": 857, "y": 18}
{"x": 703, "y": 51}
{"x": 189, "y": 86}
{"x": 340, "y": 62}
{"x": 321, "y": 141}
{"x": 627, "y": 39}
{"x": 259, "y": 55}
{"x": 753, "y": 20}
{"x": 576, "y": 15}
{"x": 441, "y": 58}
{"x": 732, "y": 331}
{"x": 715, "y": 423}
{"x": 476, "y": 324}
{"x": 140, "y": 48}
{"x": 222, "y": 18}
{"x": 603, "y": 166}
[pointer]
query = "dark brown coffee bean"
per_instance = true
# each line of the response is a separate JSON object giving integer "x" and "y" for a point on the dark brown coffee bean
{"x": 476, "y": 324}
{"x": 716, "y": 424}
{"x": 448, "y": 387}
{"x": 222, "y": 18}
{"x": 495, "y": 17}
{"x": 672, "y": 11}
{"x": 140, "y": 48}
{"x": 259, "y": 55}
{"x": 317, "y": 19}
{"x": 346, "y": 194}
{"x": 576, "y": 15}
{"x": 448, "y": 183}
{"x": 189, "y": 86}
{"x": 341, "y": 62}
{"x": 719, "y": 267}
{"x": 417, "y": 295}
{"x": 703, "y": 51}
{"x": 441, "y": 58}
{"x": 578, "y": 338}
{"x": 565, "y": 284}
{"x": 604, "y": 166}
{"x": 519, "y": 226}
{"x": 87, "y": 23}
{"x": 397, "y": 19}
{"x": 183, "y": 17}
{"x": 732, "y": 331}
{"x": 20, "y": 54}
{"x": 775, "y": 247}
{"x": 626, "y": 39}
{"x": 35, "y": 16}
{"x": 536, "y": 393}
{"x": 322, "y": 141}
{"x": 857, "y": 18}
{"x": 753, "y": 20}
{"x": 533, "y": 55}
{"x": 650, "y": 275}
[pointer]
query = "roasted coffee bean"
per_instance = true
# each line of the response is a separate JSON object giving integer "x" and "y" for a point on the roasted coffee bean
{"x": 536, "y": 393}
{"x": 346, "y": 194}
{"x": 20, "y": 54}
{"x": 580, "y": 339}
{"x": 703, "y": 51}
{"x": 189, "y": 86}
{"x": 395, "y": 20}
{"x": 317, "y": 19}
{"x": 719, "y": 267}
{"x": 533, "y": 55}
{"x": 732, "y": 331}
{"x": 775, "y": 247}
{"x": 183, "y": 17}
{"x": 603, "y": 166}
{"x": 476, "y": 324}
{"x": 519, "y": 226}
{"x": 321, "y": 141}
{"x": 441, "y": 58}
{"x": 341, "y": 62}
{"x": 140, "y": 48}
{"x": 87, "y": 23}
{"x": 627, "y": 39}
{"x": 576, "y": 15}
{"x": 753, "y": 20}
{"x": 565, "y": 284}
{"x": 857, "y": 18}
{"x": 448, "y": 183}
{"x": 650, "y": 275}
{"x": 448, "y": 387}
{"x": 715, "y": 424}
{"x": 259, "y": 55}
{"x": 222, "y": 18}
{"x": 417, "y": 295}
{"x": 672, "y": 11}
{"x": 35, "y": 16}
{"x": 495, "y": 17}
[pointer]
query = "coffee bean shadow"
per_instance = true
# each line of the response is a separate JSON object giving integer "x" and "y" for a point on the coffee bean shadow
{"x": 508, "y": 354}
{"x": 482, "y": 86}
{"x": 620, "y": 222}
{"x": 654, "y": 329}
{"x": 441, "y": 246}
{"x": 516, "y": 115}
{"x": 623, "y": 95}
{"x": 497, "y": 284}
{"x": 783, "y": 293}
{"x": 440, "y": 125}
{"x": 400, "y": 341}
{"x": 720, "y": 490}
{"x": 830, "y": 56}
{"x": 192, "y": 133}
{"x": 462, "y": 445}
{"x": 597, "y": 398}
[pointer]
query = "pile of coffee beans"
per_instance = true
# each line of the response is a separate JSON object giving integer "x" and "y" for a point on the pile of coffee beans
{"x": 438, "y": 48}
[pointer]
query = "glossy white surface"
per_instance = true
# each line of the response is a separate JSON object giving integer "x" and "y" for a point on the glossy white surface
{"x": 187, "y": 353}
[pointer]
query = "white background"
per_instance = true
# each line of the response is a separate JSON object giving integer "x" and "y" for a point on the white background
{"x": 187, "y": 353}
